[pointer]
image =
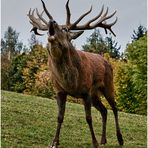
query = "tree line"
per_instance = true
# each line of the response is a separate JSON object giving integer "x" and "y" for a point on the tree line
{"x": 25, "y": 70}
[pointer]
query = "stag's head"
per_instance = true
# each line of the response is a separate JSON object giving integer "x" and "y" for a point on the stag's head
{"x": 63, "y": 33}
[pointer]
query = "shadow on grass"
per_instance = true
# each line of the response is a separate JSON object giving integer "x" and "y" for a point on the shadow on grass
{"x": 112, "y": 146}
{"x": 75, "y": 145}
{"x": 88, "y": 145}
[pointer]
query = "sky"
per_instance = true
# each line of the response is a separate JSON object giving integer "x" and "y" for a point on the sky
{"x": 130, "y": 13}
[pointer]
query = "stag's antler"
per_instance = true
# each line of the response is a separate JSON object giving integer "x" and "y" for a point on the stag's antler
{"x": 100, "y": 23}
{"x": 41, "y": 24}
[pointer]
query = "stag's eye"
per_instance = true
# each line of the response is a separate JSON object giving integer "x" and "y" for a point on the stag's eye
{"x": 65, "y": 29}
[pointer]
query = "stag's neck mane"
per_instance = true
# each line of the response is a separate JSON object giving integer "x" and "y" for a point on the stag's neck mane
{"x": 66, "y": 55}
{"x": 65, "y": 66}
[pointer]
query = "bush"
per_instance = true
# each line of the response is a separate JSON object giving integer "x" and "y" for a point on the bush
{"x": 132, "y": 79}
{"x": 43, "y": 86}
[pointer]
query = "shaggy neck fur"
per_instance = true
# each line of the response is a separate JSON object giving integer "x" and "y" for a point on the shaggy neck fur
{"x": 65, "y": 65}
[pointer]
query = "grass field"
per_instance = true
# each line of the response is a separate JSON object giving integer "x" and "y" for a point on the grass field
{"x": 30, "y": 122}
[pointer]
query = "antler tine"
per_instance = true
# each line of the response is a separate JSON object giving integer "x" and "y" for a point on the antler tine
{"x": 107, "y": 17}
{"x": 68, "y": 14}
{"x": 110, "y": 25}
{"x": 107, "y": 26}
{"x": 29, "y": 12}
{"x": 46, "y": 11}
{"x": 37, "y": 22}
{"x": 40, "y": 16}
{"x": 32, "y": 18}
{"x": 105, "y": 14}
{"x": 33, "y": 12}
{"x": 113, "y": 23}
{"x": 81, "y": 17}
{"x": 103, "y": 17}
{"x": 95, "y": 18}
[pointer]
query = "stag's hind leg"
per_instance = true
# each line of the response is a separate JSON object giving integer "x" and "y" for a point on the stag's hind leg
{"x": 61, "y": 101}
{"x": 100, "y": 107}
{"x": 110, "y": 98}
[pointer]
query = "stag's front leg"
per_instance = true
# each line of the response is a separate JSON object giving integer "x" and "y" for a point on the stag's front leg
{"x": 61, "y": 101}
{"x": 87, "y": 105}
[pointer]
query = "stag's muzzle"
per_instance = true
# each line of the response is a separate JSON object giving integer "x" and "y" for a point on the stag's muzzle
{"x": 51, "y": 29}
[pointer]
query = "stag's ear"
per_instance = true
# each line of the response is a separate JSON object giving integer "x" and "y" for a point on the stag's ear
{"x": 74, "y": 35}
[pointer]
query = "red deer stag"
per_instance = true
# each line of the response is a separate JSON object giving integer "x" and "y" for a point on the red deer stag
{"x": 77, "y": 73}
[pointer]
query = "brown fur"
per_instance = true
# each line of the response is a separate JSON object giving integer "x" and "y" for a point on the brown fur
{"x": 86, "y": 73}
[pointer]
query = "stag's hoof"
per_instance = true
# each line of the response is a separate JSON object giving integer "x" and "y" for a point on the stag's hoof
{"x": 53, "y": 147}
{"x": 120, "y": 139}
{"x": 54, "y": 144}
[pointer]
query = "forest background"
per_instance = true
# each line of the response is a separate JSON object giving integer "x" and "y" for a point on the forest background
{"x": 24, "y": 68}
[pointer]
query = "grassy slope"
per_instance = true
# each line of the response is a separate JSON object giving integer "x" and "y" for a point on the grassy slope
{"x": 29, "y": 121}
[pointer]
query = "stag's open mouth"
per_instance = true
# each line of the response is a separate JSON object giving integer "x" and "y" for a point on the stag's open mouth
{"x": 51, "y": 29}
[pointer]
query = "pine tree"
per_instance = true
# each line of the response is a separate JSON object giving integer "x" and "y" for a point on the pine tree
{"x": 33, "y": 41}
{"x": 97, "y": 44}
{"x": 10, "y": 48}
{"x": 141, "y": 31}
{"x": 113, "y": 48}
{"x": 10, "y": 45}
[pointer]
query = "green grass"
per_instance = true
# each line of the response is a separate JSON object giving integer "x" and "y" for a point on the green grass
{"x": 30, "y": 122}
